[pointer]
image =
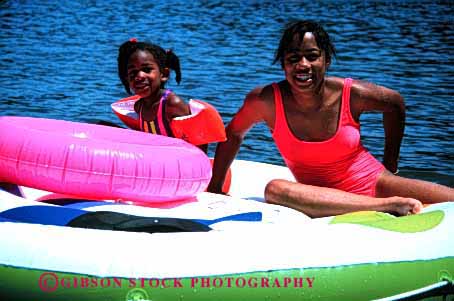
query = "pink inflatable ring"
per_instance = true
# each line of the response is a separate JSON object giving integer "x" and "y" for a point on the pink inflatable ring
{"x": 99, "y": 162}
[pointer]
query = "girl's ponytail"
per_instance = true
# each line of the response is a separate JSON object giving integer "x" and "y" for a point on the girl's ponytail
{"x": 173, "y": 62}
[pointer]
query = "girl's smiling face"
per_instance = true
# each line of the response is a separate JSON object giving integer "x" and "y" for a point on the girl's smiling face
{"x": 305, "y": 64}
{"x": 144, "y": 75}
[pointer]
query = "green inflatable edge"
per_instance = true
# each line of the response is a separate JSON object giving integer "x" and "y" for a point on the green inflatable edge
{"x": 353, "y": 282}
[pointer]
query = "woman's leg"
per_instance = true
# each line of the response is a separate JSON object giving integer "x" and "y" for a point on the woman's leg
{"x": 427, "y": 192}
{"x": 321, "y": 201}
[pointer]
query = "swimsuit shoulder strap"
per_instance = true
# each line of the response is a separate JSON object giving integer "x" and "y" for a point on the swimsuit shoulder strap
{"x": 346, "y": 91}
{"x": 140, "y": 117}
{"x": 161, "y": 119}
{"x": 279, "y": 107}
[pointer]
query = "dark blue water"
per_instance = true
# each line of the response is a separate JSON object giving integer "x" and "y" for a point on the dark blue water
{"x": 58, "y": 60}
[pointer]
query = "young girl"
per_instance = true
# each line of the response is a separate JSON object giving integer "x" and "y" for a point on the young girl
{"x": 145, "y": 68}
{"x": 314, "y": 120}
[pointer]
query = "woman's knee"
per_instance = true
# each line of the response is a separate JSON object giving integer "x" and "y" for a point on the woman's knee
{"x": 384, "y": 185}
{"x": 274, "y": 188}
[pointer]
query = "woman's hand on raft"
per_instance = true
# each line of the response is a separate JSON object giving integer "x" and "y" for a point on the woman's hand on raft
{"x": 403, "y": 206}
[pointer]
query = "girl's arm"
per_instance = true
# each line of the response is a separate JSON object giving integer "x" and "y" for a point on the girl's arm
{"x": 367, "y": 97}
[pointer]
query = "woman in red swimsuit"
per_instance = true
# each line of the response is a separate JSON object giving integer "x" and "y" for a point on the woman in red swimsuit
{"x": 314, "y": 120}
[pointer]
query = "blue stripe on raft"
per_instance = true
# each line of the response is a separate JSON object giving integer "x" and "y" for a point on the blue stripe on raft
{"x": 61, "y": 216}
{"x": 89, "y": 204}
{"x": 241, "y": 217}
{"x": 46, "y": 215}
{"x": 245, "y": 217}
{"x": 7, "y": 220}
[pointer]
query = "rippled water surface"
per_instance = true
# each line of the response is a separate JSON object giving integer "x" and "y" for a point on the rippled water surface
{"x": 58, "y": 60}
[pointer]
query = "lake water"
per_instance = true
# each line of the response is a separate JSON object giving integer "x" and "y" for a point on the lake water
{"x": 58, "y": 60}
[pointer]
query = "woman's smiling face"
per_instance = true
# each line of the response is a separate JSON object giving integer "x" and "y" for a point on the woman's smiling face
{"x": 305, "y": 64}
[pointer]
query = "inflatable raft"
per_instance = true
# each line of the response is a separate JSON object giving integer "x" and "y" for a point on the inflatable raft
{"x": 71, "y": 243}
{"x": 243, "y": 250}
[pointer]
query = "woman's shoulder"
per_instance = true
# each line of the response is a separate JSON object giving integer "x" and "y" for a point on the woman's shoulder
{"x": 260, "y": 103}
{"x": 368, "y": 96}
{"x": 359, "y": 87}
{"x": 260, "y": 95}
{"x": 363, "y": 89}
{"x": 334, "y": 82}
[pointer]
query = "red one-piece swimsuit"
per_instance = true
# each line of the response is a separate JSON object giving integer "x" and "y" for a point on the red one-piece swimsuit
{"x": 340, "y": 162}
